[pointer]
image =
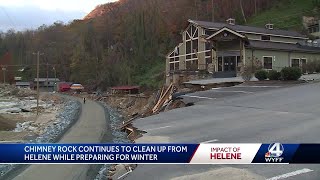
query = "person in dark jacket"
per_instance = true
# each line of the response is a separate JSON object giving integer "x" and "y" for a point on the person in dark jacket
{"x": 84, "y": 100}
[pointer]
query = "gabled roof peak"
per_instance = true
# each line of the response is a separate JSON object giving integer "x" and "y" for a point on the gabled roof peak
{"x": 248, "y": 29}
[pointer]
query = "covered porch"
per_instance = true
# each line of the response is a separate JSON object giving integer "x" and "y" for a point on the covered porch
{"x": 227, "y": 52}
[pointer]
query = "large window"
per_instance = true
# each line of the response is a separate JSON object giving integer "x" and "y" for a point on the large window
{"x": 192, "y": 65}
{"x": 174, "y": 59}
{"x": 313, "y": 29}
{"x": 195, "y": 48}
{"x": 192, "y": 37}
{"x": 295, "y": 62}
{"x": 303, "y": 65}
{"x": 267, "y": 62}
{"x": 239, "y": 61}
{"x": 220, "y": 63}
{"x": 174, "y": 66}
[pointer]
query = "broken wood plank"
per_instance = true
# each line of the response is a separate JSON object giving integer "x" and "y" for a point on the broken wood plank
{"x": 162, "y": 99}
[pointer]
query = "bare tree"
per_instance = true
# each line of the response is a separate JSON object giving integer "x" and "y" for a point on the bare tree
{"x": 242, "y": 11}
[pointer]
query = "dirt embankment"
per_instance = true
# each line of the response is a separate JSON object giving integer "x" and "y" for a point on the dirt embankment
{"x": 6, "y": 124}
{"x": 130, "y": 105}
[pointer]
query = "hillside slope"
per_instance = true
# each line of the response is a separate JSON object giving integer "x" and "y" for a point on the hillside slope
{"x": 125, "y": 42}
{"x": 285, "y": 14}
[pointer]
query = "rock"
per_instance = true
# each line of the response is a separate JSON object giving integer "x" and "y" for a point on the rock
{"x": 25, "y": 110}
{"x": 14, "y": 110}
{"x": 112, "y": 168}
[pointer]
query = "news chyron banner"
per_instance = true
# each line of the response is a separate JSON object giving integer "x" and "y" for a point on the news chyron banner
{"x": 159, "y": 153}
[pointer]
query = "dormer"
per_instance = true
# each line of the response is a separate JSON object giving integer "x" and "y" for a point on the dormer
{"x": 269, "y": 26}
{"x": 231, "y": 21}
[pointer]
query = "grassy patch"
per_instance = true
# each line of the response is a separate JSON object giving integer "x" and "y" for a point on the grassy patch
{"x": 285, "y": 14}
{"x": 153, "y": 77}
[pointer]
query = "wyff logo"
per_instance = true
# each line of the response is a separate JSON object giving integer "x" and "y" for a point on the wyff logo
{"x": 274, "y": 153}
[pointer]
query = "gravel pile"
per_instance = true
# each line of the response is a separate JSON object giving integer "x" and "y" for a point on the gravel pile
{"x": 117, "y": 137}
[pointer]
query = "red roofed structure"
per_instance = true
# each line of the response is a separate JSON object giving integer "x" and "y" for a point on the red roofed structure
{"x": 125, "y": 90}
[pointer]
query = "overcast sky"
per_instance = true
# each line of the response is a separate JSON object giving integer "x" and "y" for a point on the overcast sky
{"x": 26, "y": 14}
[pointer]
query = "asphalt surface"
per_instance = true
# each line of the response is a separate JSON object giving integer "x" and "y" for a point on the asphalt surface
{"x": 286, "y": 114}
{"x": 88, "y": 129}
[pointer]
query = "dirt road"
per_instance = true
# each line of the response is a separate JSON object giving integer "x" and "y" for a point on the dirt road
{"x": 89, "y": 129}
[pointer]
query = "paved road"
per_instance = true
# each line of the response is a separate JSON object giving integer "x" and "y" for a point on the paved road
{"x": 285, "y": 114}
{"x": 89, "y": 129}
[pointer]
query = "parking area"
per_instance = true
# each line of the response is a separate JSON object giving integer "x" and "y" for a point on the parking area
{"x": 224, "y": 92}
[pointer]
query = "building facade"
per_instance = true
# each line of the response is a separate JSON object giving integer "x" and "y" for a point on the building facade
{"x": 222, "y": 48}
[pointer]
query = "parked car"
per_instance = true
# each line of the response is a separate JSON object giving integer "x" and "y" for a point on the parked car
{"x": 63, "y": 87}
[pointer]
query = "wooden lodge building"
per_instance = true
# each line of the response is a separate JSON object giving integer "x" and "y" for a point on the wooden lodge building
{"x": 221, "y": 48}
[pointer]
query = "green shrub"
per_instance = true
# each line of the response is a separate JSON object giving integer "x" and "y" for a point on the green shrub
{"x": 274, "y": 75}
{"x": 291, "y": 73}
{"x": 246, "y": 73}
{"x": 261, "y": 75}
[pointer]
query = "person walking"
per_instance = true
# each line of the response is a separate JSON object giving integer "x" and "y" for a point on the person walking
{"x": 84, "y": 100}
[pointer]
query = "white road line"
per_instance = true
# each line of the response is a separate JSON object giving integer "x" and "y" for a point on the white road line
{"x": 157, "y": 128}
{"x": 130, "y": 171}
{"x": 199, "y": 97}
{"x": 210, "y": 141}
{"x": 215, "y": 88}
{"x": 246, "y": 92}
{"x": 258, "y": 86}
{"x": 294, "y": 173}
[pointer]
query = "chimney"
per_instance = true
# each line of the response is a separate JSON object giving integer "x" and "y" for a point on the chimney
{"x": 231, "y": 21}
{"x": 269, "y": 26}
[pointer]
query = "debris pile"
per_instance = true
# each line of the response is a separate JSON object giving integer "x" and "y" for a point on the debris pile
{"x": 9, "y": 90}
{"x": 166, "y": 100}
{"x": 26, "y": 126}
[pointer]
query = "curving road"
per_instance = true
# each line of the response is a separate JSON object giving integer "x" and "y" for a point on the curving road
{"x": 89, "y": 129}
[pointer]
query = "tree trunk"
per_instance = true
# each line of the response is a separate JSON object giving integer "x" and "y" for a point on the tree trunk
{"x": 255, "y": 7}
{"x": 242, "y": 11}
{"x": 213, "y": 11}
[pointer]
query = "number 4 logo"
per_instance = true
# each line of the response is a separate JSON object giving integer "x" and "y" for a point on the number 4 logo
{"x": 276, "y": 149}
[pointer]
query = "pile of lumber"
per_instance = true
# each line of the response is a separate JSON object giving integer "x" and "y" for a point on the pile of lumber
{"x": 164, "y": 98}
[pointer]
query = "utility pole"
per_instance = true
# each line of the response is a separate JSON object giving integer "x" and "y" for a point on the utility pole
{"x": 47, "y": 76}
{"x": 55, "y": 78}
{"x": 4, "y": 74}
{"x": 38, "y": 69}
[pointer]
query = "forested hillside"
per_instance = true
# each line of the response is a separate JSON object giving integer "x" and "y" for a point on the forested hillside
{"x": 119, "y": 43}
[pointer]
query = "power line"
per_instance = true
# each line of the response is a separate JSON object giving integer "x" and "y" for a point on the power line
{"x": 8, "y": 16}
